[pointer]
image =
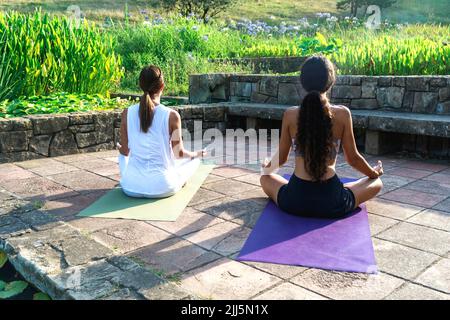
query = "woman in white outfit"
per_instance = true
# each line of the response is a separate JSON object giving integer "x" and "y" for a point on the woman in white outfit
{"x": 153, "y": 162}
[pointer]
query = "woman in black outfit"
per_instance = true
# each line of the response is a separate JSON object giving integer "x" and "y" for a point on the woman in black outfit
{"x": 315, "y": 131}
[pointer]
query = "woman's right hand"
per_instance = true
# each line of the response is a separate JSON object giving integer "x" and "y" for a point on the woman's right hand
{"x": 200, "y": 154}
{"x": 378, "y": 169}
{"x": 122, "y": 150}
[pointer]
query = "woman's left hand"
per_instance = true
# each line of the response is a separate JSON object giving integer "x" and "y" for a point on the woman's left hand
{"x": 266, "y": 167}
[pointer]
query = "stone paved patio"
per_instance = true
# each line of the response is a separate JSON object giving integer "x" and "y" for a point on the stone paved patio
{"x": 194, "y": 257}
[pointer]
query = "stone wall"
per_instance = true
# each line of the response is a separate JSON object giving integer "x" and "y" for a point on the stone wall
{"x": 268, "y": 64}
{"x": 420, "y": 94}
{"x": 40, "y": 136}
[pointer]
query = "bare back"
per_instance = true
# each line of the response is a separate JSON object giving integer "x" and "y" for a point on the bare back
{"x": 339, "y": 124}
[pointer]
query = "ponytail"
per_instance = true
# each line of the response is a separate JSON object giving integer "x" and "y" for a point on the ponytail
{"x": 314, "y": 134}
{"x": 151, "y": 81}
{"x": 146, "y": 111}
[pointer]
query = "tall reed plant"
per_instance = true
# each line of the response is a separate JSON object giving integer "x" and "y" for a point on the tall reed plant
{"x": 55, "y": 55}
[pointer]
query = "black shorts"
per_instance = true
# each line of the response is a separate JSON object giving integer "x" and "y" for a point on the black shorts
{"x": 326, "y": 199}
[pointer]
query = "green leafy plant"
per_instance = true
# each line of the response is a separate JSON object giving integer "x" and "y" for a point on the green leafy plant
{"x": 9, "y": 78}
{"x": 59, "y": 103}
{"x": 55, "y": 56}
{"x": 3, "y": 258}
{"x": 319, "y": 44}
{"x": 388, "y": 55}
{"x": 11, "y": 289}
{"x": 181, "y": 48}
{"x": 41, "y": 296}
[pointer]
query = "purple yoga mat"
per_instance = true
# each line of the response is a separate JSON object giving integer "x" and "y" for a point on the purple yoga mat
{"x": 332, "y": 244}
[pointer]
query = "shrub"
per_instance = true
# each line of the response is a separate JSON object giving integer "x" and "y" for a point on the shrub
{"x": 180, "y": 48}
{"x": 53, "y": 55}
{"x": 205, "y": 9}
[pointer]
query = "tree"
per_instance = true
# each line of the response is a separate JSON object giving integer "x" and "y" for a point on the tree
{"x": 353, "y": 5}
{"x": 204, "y": 9}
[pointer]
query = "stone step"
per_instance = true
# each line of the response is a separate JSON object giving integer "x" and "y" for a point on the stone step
{"x": 67, "y": 265}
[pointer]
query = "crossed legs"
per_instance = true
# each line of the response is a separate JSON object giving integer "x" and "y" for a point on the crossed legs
{"x": 364, "y": 189}
{"x": 271, "y": 184}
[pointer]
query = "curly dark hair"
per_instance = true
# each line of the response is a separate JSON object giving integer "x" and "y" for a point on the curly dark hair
{"x": 314, "y": 134}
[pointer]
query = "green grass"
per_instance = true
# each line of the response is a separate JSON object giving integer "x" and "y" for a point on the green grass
{"x": 59, "y": 103}
{"x": 268, "y": 10}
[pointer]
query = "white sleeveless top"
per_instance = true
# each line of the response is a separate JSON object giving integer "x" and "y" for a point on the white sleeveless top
{"x": 151, "y": 165}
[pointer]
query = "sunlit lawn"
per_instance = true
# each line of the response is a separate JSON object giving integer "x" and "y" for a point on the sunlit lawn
{"x": 268, "y": 10}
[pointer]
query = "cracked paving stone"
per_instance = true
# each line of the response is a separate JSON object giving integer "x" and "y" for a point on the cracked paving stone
{"x": 423, "y": 238}
{"x": 347, "y": 286}
{"x": 38, "y": 220}
{"x": 443, "y": 206}
{"x": 438, "y": 177}
{"x": 288, "y": 291}
{"x": 89, "y": 225}
{"x": 433, "y": 218}
{"x": 408, "y": 173}
{"x": 213, "y": 178}
{"x": 229, "y": 208}
{"x": 38, "y": 188}
{"x": 10, "y": 225}
{"x": 53, "y": 168}
{"x": 174, "y": 255}
{"x": 167, "y": 291}
{"x": 401, "y": 261}
{"x": 14, "y": 206}
{"x": 63, "y": 241}
{"x": 9, "y": 171}
{"x": 66, "y": 209}
{"x": 422, "y": 165}
{"x": 224, "y": 238}
{"x": 392, "y": 209}
{"x": 430, "y": 187}
{"x": 83, "y": 181}
{"x": 411, "y": 291}
{"x": 75, "y": 158}
{"x": 226, "y": 279}
{"x": 147, "y": 284}
{"x": 256, "y": 195}
{"x": 203, "y": 195}
{"x": 123, "y": 294}
{"x": 378, "y": 223}
{"x": 229, "y": 187}
{"x": 191, "y": 220}
{"x": 280, "y": 270}
{"x": 129, "y": 236}
{"x": 133, "y": 275}
{"x": 426, "y": 200}
{"x": 437, "y": 276}
{"x": 99, "y": 166}
{"x": 248, "y": 220}
{"x": 87, "y": 282}
{"x": 250, "y": 178}
{"x": 391, "y": 182}
{"x": 230, "y": 172}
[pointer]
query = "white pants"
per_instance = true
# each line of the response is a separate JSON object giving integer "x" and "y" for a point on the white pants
{"x": 185, "y": 168}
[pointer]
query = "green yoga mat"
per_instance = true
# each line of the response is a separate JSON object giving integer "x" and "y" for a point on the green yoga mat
{"x": 115, "y": 204}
